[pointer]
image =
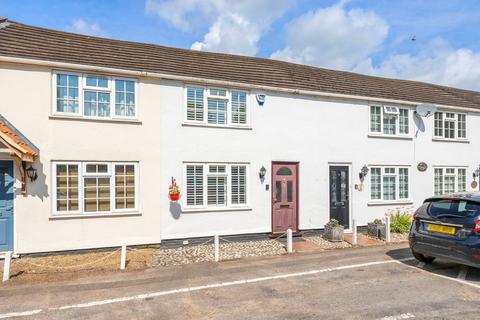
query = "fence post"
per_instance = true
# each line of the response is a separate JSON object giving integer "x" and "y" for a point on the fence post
{"x": 387, "y": 231}
{"x": 123, "y": 257}
{"x": 6, "y": 266}
{"x": 354, "y": 232}
{"x": 216, "y": 242}
{"x": 289, "y": 241}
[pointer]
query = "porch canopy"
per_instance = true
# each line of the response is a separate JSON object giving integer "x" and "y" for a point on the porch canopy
{"x": 19, "y": 147}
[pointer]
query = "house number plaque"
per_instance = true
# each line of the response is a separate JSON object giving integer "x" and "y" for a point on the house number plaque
{"x": 422, "y": 167}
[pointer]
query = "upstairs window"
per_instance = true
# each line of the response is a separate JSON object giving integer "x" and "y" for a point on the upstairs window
{"x": 216, "y": 106}
{"x": 94, "y": 96}
{"x": 389, "y": 120}
{"x": 67, "y": 93}
{"x": 449, "y": 125}
{"x": 389, "y": 183}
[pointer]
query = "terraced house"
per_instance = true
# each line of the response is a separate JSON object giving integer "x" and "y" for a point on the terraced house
{"x": 94, "y": 130}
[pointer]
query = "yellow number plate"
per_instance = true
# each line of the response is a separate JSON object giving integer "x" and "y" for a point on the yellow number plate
{"x": 441, "y": 229}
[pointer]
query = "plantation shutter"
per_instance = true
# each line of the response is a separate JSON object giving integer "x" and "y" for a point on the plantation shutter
{"x": 239, "y": 185}
{"x": 239, "y": 107}
{"x": 217, "y": 186}
{"x": 195, "y": 185}
{"x": 194, "y": 104}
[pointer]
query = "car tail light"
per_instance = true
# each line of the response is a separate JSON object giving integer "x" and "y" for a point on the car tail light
{"x": 477, "y": 226}
{"x": 476, "y": 256}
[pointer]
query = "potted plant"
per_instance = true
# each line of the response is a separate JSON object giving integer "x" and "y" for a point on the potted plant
{"x": 333, "y": 231}
{"x": 174, "y": 192}
{"x": 377, "y": 229}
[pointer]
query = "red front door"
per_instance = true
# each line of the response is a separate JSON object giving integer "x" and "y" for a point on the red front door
{"x": 284, "y": 196}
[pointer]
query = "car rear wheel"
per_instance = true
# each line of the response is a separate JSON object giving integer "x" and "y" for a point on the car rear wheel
{"x": 422, "y": 258}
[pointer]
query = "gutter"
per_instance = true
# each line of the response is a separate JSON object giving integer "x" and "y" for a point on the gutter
{"x": 165, "y": 76}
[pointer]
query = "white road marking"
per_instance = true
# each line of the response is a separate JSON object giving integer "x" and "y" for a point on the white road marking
{"x": 199, "y": 288}
{"x": 444, "y": 277}
{"x": 399, "y": 316}
{"x": 20, "y": 314}
{"x": 462, "y": 274}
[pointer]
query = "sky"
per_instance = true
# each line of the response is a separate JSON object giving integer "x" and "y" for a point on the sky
{"x": 435, "y": 41}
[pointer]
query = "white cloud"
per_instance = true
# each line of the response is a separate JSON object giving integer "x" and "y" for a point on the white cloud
{"x": 84, "y": 27}
{"x": 333, "y": 37}
{"x": 233, "y": 26}
{"x": 436, "y": 63}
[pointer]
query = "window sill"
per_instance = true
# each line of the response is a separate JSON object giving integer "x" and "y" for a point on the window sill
{"x": 389, "y": 203}
{"x": 386, "y": 136}
{"x": 189, "y": 124}
{"x": 205, "y": 210}
{"x": 79, "y": 118}
{"x": 59, "y": 216}
{"x": 451, "y": 140}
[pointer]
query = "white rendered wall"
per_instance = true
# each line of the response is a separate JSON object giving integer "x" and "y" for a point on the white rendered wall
{"x": 311, "y": 131}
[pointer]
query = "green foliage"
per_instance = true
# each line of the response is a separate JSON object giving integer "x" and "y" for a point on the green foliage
{"x": 400, "y": 222}
{"x": 332, "y": 224}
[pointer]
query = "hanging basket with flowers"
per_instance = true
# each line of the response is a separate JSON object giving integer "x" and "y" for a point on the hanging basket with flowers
{"x": 174, "y": 192}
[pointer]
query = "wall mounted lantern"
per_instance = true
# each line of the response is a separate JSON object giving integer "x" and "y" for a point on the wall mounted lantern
{"x": 363, "y": 173}
{"x": 476, "y": 173}
{"x": 31, "y": 173}
{"x": 262, "y": 172}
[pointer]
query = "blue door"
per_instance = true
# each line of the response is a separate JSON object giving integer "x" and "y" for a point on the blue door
{"x": 6, "y": 205}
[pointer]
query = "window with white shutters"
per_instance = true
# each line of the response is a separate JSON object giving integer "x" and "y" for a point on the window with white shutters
{"x": 195, "y": 103}
{"x": 222, "y": 185}
{"x": 216, "y": 106}
{"x": 217, "y": 186}
{"x": 239, "y": 107}
{"x": 239, "y": 184}
{"x": 195, "y": 185}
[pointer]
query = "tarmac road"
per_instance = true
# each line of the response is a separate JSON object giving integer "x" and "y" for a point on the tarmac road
{"x": 382, "y": 282}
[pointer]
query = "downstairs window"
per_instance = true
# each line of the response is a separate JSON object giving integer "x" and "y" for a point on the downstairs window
{"x": 94, "y": 187}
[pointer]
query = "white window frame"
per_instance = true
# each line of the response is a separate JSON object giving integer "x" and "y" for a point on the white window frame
{"x": 82, "y": 87}
{"x": 228, "y": 174}
{"x": 455, "y": 130}
{"x": 393, "y": 111}
{"x": 397, "y": 183}
{"x": 83, "y": 174}
{"x": 227, "y": 98}
{"x": 455, "y": 175}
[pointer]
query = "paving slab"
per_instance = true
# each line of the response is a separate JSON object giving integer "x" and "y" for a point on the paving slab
{"x": 364, "y": 241}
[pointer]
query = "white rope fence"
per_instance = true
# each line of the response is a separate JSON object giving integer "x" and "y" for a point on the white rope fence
{"x": 123, "y": 255}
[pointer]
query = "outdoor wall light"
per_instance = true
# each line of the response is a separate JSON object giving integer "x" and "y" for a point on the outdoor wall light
{"x": 31, "y": 173}
{"x": 363, "y": 173}
{"x": 262, "y": 172}
{"x": 476, "y": 173}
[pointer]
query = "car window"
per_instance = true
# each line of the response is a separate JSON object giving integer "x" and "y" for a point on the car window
{"x": 461, "y": 208}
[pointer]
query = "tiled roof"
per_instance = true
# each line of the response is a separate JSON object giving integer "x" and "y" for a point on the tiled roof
{"x": 11, "y": 136}
{"x": 23, "y": 41}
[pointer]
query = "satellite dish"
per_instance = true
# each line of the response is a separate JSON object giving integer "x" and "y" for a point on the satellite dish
{"x": 425, "y": 110}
